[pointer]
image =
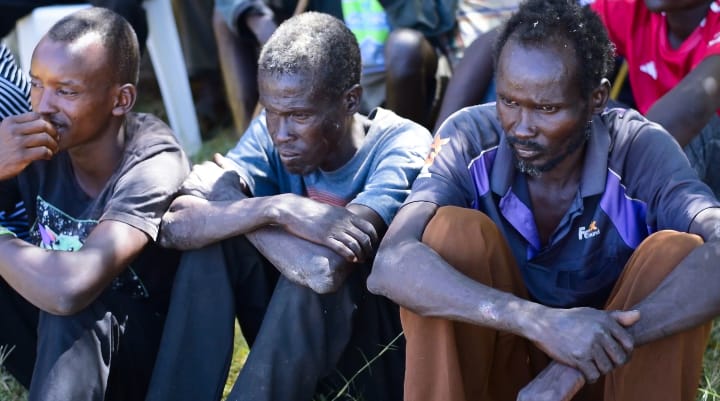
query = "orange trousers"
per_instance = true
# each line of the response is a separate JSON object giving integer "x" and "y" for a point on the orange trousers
{"x": 455, "y": 361}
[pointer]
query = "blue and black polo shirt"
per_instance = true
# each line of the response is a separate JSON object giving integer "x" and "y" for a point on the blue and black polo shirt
{"x": 635, "y": 180}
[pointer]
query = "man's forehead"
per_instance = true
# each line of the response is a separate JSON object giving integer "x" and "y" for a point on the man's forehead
{"x": 88, "y": 41}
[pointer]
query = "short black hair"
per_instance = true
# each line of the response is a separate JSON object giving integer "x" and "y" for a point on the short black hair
{"x": 116, "y": 35}
{"x": 537, "y": 22}
{"x": 317, "y": 44}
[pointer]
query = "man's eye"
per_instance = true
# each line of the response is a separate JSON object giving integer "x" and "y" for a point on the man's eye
{"x": 301, "y": 116}
{"x": 507, "y": 102}
{"x": 548, "y": 109}
{"x": 66, "y": 92}
{"x": 35, "y": 84}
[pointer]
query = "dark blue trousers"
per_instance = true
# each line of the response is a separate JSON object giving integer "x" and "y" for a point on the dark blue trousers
{"x": 302, "y": 344}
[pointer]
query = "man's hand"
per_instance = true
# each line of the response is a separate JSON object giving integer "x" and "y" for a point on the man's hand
{"x": 591, "y": 340}
{"x": 214, "y": 181}
{"x": 24, "y": 139}
{"x": 345, "y": 233}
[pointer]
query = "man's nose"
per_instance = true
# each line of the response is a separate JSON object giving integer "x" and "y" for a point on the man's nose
{"x": 44, "y": 101}
{"x": 525, "y": 128}
{"x": 282, "y": 131}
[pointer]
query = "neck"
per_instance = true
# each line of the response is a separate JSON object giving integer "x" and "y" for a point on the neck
{"x": 95, "y": 162}
{"x": 351, "y": 141}
{"x": 683, "y": 22}
{"x": 566, "y": 173}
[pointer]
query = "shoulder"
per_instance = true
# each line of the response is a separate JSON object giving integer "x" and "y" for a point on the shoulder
{"x": 386, "y": 126}
{"x": 147, "y": 133}
{"x": 627, "y": 127}
{"x": 478, "y": 126}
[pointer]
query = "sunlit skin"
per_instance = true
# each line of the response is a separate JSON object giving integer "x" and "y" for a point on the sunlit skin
{"x": 307, "y": 128}
{"x": 74, "y": 88}
{"x": 540, "y": 109}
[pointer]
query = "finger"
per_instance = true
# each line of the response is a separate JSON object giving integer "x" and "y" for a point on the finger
{"x": 350, "y": 243}
{"x": 341, "y": 249}
{"x": 626, "y": 318}
{"x": 221, "y": 161}
{"x": 602, "y": 360}
{"x": 24, "y": 117}
{"x": 366, "y": 227}
{"x": 34, "y": 124}
{"x": 41, "y": 139}
{"x": 37, "y": 153}
{"x": 364, "y": 241}
{"x": 615, "y": 351}
{"x": 589, "y": 370}
{"x": 622, "y": 336}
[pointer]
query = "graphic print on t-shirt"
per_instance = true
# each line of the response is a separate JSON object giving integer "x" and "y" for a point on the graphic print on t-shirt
{"x": 56, "y": 230}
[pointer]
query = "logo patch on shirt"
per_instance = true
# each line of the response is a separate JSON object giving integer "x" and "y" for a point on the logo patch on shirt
{"x": 715, "y": 39}
{"x": 591, "y": 231}
{"x": 435, "y": 148}
{"x": 649, "y": 68}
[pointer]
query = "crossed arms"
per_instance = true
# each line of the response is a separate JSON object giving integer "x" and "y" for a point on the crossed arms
{"x": 309, "y": 242}
{"x": 584, "y": 342}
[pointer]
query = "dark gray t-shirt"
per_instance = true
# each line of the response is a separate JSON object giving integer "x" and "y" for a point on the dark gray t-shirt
{"x": 62, "y": 215}
{"x": 635, "y": 180}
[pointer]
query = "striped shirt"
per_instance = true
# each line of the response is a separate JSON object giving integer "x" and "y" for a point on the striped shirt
{"x": 14, "y": 99}
{"x": 14, "y": 86}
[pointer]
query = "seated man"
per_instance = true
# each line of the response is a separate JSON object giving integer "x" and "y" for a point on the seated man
{"x": 673, "y": 54}
{"x": 241, "y": 28}
{"x": 673, "y": 57}
{"x": 549, "y": 228}
{"x": 312, "y": 185}
{"x": 95, "y": 179}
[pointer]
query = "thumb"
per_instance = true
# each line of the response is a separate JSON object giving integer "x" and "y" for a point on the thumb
{"x": 221, "y": 161}
{"x": 626, "y": 318}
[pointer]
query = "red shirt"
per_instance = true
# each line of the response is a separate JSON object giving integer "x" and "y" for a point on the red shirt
{"x": 641, "y": 37}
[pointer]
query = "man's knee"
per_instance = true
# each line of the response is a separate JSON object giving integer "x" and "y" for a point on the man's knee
{"x": 453, "y": 223}
{"x": 405, "y": 51}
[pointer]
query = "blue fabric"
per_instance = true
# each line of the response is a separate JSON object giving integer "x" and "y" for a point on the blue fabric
{"x": 378, "y": 176}
{"x": 635, "y": 180}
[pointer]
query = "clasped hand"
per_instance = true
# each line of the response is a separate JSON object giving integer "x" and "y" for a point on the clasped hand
{"x": 337, "y": 228}
{"x": 590, "y": 340}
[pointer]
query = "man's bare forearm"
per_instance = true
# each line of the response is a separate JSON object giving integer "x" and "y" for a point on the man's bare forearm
{"x": 682, "y": 301}
{"x": 193, "y": 222}
{"x": 301, "y": 261}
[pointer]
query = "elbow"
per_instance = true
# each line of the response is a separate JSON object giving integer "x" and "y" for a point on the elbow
{"x": 69, "y": 302}
{"x": 380, "y": 282}
{"x": 175, "y": 234}
{"x": 324, "y": 286}
{"x": 167, "y": 237}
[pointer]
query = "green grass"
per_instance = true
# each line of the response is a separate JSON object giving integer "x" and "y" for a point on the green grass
{"x": 709, "y": 389}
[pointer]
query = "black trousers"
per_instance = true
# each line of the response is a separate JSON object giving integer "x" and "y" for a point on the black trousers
{"x": 301, "y": 344}
{"x": 12, "y": 10}
{"x": 105, "y": 352}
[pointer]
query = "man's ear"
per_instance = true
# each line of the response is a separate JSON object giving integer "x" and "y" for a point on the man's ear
{"x": 352, "y": 99}
{"x": 600, "y": 96}
{"x": 125, "y": 97}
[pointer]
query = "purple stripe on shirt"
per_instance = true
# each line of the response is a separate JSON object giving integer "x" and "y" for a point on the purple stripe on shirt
{"x": 480, "y": 168}
{"x": 514, "y": 210}
{"x": 520, "y": 216}
{"x": 626, "y": 214}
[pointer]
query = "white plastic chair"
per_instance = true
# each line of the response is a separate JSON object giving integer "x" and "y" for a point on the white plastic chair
{"x": 163, "y": 44}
